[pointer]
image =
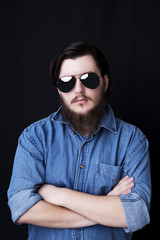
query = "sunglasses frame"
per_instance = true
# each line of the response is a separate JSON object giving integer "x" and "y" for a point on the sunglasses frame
{"x": 67, "y": 86}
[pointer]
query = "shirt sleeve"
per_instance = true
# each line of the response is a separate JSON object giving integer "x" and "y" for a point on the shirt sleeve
{"x": 137, "y": 164}
{"x": 27, "y": 175}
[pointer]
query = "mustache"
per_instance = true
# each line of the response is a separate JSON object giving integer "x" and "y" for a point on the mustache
{"x": 79, "y": 97}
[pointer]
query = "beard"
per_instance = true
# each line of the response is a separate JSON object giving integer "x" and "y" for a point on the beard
{"x": 87, "y": 123}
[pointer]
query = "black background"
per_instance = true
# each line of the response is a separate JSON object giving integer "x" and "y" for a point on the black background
{"x": 32, "y": 32}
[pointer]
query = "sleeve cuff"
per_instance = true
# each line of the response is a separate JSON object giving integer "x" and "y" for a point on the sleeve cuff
{"x": 136, "y": 212}
{"x": 20, "y": 202}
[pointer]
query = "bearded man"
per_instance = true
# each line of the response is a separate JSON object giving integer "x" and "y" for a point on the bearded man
{"x": 81, "y": 173}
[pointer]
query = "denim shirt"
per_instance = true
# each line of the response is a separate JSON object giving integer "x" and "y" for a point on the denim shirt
{"x": 50, "y": 151}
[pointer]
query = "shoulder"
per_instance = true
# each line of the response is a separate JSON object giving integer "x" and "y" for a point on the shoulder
{"x": 119, "y": 126}
{"x": 40, "y": 124}
{"x": 128, "y": 128}
{"x": 39, "y": 134}
{"x": 40, "y": 130}
{"x": 46, "y": 123}
{"x": 131, "y": 136}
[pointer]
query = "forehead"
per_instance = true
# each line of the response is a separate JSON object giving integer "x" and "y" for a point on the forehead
{"x": 78, "y": 66}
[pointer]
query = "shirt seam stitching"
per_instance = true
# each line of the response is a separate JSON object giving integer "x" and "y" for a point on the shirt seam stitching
{"x": 33, "y": 142}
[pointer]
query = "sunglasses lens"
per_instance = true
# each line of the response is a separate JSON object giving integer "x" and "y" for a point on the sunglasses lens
{"x": 90, "y": 80}
{"x": 65, "y": 84}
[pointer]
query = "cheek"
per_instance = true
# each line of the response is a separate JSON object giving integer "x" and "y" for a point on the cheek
{"x": 66, "y": 98}
{"x": 96, "y": 95}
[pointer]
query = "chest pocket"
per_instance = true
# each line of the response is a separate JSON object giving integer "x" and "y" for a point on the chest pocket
{"x": 106, "y": 177}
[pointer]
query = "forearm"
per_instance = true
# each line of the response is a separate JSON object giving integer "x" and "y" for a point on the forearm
{"x": 45, "y": 214}
{"x": 105, "y": 210}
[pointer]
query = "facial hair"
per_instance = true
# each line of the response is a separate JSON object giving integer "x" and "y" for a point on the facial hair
{"x": 84, "y": 124}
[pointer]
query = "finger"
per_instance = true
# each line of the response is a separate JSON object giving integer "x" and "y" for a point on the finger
{"x": 124, "y": 187}
{"x": 127, "y": 189}
{"x": 127, "y": 192}
{"x": 125, "y": 181}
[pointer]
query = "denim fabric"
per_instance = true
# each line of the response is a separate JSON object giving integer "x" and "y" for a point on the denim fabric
{"x": 50, "y": 151}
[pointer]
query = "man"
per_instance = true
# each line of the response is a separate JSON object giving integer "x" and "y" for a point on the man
{"x": 81, "y": 173}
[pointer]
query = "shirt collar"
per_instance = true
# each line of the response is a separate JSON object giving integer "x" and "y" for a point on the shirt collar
{"x": 108, "y": 120}
{"x": 57, "y": 116}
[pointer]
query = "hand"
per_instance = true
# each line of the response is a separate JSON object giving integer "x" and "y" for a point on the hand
{"x": 123, "y": 187}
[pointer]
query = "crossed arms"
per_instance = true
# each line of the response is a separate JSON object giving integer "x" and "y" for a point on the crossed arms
{"x": 65, "y": 208}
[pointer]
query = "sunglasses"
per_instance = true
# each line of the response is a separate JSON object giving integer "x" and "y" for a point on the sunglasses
{"x": 89, "y": 80}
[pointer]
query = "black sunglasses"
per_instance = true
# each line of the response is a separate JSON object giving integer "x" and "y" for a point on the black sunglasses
{"x": 89, "y": 80}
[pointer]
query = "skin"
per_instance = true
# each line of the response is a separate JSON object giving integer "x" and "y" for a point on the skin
{"x": 51, "y": 212}
{"x": 105, "y": 210}
{"x": 81, "y": 99}
{"x": 66, "y": 208}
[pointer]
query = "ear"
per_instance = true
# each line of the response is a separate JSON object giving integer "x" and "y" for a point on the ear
{"x": 106, "y": 82}
{"x": 59, "y": 91}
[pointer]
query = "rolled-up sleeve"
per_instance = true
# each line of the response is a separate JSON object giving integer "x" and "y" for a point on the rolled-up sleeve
{"x": 136, "y": 212}
{"x": 27, "y": 175}
{"x": 20, "y": 202}
{"x": 136, "y": 205}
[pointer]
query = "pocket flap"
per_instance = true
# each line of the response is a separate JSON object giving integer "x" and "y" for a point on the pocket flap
{"x": 109, "y": 171}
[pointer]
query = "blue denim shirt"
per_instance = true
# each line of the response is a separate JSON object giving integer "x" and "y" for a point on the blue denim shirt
{"x": 50, "y": 151}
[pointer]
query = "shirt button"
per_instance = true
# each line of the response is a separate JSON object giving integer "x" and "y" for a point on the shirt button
{"x": 73, "y": 133}
{"x": 81, "y": 166}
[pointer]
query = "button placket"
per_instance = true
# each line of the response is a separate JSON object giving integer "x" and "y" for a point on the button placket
{"x": 81, "y": 166}
{"x": 80, "y": 179}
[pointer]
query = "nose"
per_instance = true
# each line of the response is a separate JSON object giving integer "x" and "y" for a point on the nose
{"x": 79, "y": 88}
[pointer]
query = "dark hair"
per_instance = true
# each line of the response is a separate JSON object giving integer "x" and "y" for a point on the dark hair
{"x": 75, "y": 50}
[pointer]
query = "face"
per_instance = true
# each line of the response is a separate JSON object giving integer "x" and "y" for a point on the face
{"x": 81, "y": 99}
